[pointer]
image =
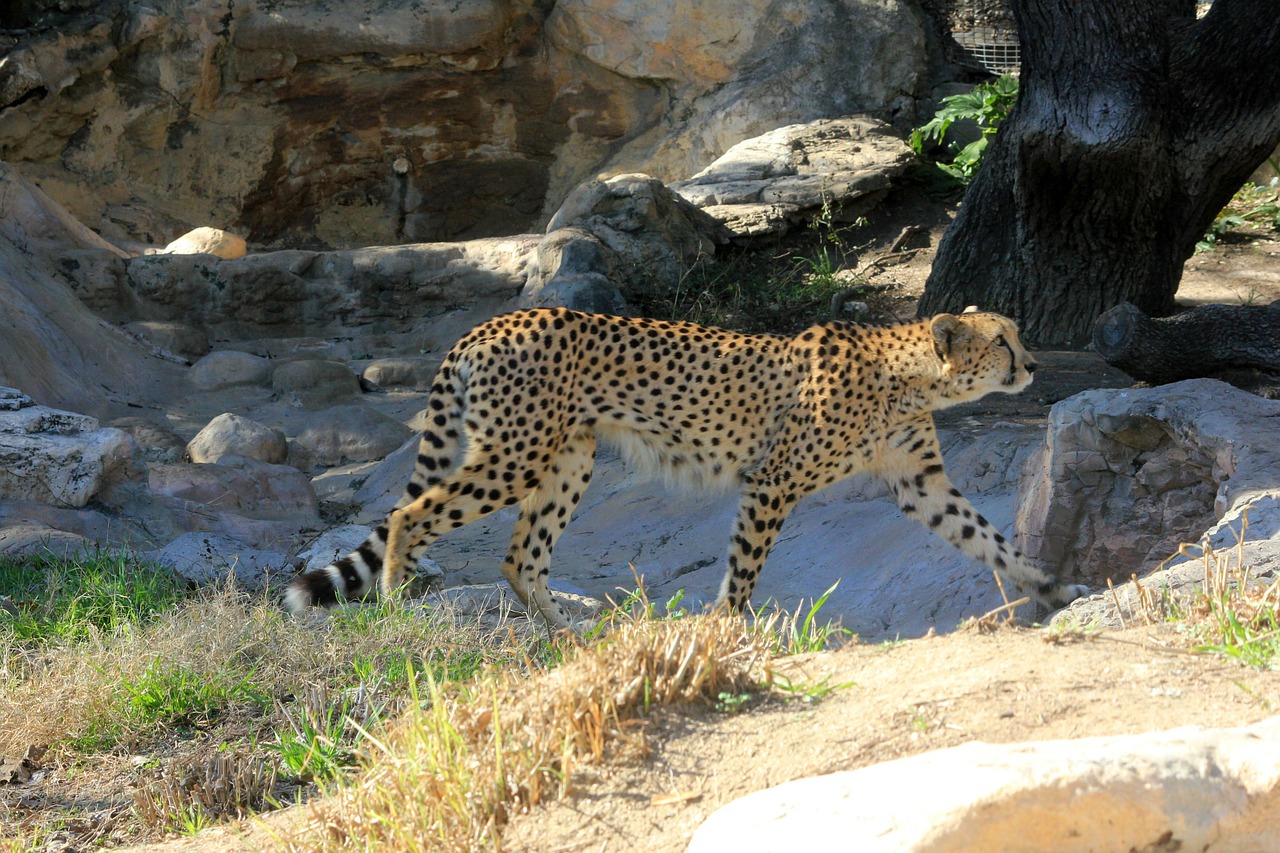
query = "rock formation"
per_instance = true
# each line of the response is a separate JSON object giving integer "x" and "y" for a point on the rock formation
{"x": 767, "y": 184}
{"x": 52, "y": 346}
{"x": 350, "y": 124}
{"x": 1125, "y": 477}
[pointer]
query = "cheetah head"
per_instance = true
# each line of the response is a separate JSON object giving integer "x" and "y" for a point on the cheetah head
{"x": 981, "y": 353}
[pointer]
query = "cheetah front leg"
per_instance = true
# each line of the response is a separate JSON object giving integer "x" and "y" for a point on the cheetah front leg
{"x": 911, "y": 466}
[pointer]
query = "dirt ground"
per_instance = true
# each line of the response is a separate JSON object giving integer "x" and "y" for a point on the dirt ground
{"x": 900, "y": 699}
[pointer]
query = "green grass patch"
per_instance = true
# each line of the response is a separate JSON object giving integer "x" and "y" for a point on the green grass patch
{"x": 72, "y": 598}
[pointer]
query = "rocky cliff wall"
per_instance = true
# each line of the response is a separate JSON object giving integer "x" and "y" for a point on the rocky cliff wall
{"x": 350, "y": 123}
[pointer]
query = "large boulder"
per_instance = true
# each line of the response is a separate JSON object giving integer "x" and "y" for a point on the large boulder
{"x": 414, "y": 372}
{"x": 51, "y": 346}
{"x": 61, "y": 458}
{"x": 1126, "y": 476}
{"x": 616, "y": 239}
{"x": 313, "y": 382}
{"x": 253, "y": 502}
{"x": 228, "y": 368}
{"x": 230, "y": 434}
{"x": 1185, "y": 789}
{"x": 352, "y": 433}
{"x": 208, "y": 241}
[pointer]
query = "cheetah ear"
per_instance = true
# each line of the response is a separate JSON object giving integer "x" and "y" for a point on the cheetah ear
{"x": 972, "y": 309}
{"x": 944, "y": 327}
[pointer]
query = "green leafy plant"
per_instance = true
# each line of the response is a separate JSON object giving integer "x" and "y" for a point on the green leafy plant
{"x": 1250, "y": 635}
{"x": 1253, "y": 206}
{"x": 987, "y": 105}
{"x": 732, "y": 703}
{"x": 318, "y": 748}
{"x": 806, "y": 691}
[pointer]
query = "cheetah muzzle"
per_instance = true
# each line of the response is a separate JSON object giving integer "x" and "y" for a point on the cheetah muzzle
{"x": 520, "y": 402}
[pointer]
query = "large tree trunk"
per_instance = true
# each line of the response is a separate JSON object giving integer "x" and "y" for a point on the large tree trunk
{"x": 1135, "y": 124}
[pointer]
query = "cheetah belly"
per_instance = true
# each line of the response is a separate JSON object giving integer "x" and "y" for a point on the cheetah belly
{"x": 674, "y": 458}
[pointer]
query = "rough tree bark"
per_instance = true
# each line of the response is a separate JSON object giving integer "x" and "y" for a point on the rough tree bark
{"x": 1204, "y": 341}
{"x": 1135, "y": 124}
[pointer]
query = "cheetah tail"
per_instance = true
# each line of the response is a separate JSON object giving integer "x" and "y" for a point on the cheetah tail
{"x": 357, "y": 573}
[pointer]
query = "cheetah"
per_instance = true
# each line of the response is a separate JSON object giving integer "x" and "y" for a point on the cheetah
{"x": 518, "y": 405}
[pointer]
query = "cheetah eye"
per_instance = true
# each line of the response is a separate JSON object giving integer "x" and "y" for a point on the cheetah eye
{"x": 1001, "y": 342}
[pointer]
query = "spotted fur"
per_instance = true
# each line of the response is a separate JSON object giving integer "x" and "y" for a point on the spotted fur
{"x": 520, "y": 401}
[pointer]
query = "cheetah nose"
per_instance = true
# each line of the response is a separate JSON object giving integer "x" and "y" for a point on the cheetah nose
{"x": 1031, "y": 367}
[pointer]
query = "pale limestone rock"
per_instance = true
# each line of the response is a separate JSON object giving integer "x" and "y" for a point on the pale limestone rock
{"x": 424, "y": 121}
{"x": 1184, "y": 789}
{"x": 226, "y": 368}
{"x": 181, "y": 339}
{"x": 313, "y": 383}
{"x": 211, "y": 558}
{"x": 58, "y": 457}
{"x": 298, "y": 293}
{"x": 232, "y": 435}
{"x": 618, "y": 238}
{"x": 130, "y": 525}
{"x": 29, "y": 540}
{"x": 251, "y": 501}
{"x": 158, "y": 442}
{"x": 734, "y": 71}
{"x": 83, "y": 363}
{"x": 208, "y": 241}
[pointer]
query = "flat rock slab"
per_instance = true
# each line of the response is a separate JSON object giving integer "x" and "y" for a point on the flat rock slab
{"x": 205, "y": 559}
{"x": 767, "y": 184}
{"x": 1185, "y": 789}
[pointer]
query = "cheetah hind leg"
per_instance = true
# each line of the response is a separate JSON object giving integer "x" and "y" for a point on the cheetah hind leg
{"x": 460, "y": 498}
{"x": 544, "y": 513}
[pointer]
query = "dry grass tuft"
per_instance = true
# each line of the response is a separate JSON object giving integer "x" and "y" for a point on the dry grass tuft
{"x": 191, "y": 794}
{"x": 1232, "y": 613}
{"x": 449, "y": 773}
